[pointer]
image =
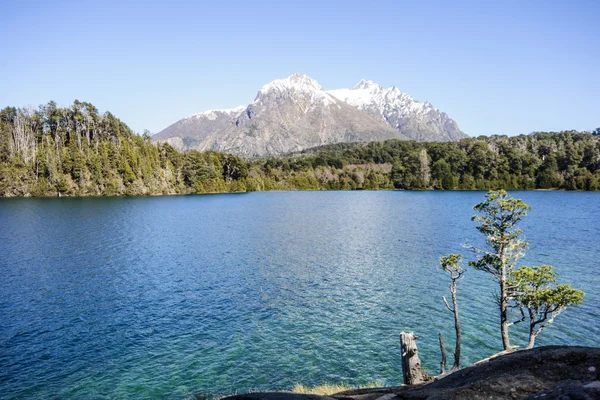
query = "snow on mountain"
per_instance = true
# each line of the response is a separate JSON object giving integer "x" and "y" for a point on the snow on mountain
{"x": 303, "y": 87}
{"x": 417, "y": 120}
{"x": 214, "y": 114}
{"x": 297, "y": 82}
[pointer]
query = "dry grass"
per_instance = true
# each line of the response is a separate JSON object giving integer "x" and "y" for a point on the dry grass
{"x": 328, "y": 389}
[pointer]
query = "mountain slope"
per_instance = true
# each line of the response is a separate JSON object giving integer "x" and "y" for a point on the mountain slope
{"x": 189, "y": 132}
{"x": 416, "y": 120}
{"x": 294, "y": 114}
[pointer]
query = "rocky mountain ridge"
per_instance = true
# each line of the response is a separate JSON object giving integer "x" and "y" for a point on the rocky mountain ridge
{"x": 296, "y": 113}
{"x": 417, "y": 120}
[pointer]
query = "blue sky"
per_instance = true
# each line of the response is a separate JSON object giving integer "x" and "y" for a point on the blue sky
{"x": 506, "y": 67}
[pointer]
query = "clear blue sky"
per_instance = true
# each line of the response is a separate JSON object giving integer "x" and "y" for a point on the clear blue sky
{"x": 496, "y": 67}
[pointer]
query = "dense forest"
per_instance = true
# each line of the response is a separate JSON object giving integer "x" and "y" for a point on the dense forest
{"x": 77, "y": 151}
{"x": 544, "y": 160}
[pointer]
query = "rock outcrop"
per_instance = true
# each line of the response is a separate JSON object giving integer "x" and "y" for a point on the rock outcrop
{"x": 553, "y": 372}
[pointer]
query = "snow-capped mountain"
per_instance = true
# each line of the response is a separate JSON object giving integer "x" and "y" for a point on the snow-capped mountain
{"x": 296, "y": 113}
{"x": 416, "y": 120}
{"x": 293, "y": 114}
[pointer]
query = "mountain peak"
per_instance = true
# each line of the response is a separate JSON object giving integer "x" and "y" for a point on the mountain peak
{"x": 302, "y": 79}
{"x": 366, "y": 84}
{"x": 297, "y": 82}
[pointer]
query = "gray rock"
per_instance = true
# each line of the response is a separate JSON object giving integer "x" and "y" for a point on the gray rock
{"x": 548, "y": 373}
{"x": 553, "y": 372}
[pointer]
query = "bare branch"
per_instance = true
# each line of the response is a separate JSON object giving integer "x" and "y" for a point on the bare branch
{"x": 550, "y": 320}
{"x": 446, "y": 303}
{"x": 520, "y": 320}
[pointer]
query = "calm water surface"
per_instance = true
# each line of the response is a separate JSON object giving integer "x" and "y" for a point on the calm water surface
{"x": 169, "y": 296}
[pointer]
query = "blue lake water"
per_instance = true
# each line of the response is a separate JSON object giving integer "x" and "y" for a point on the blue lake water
{"x": 164, "y": 297}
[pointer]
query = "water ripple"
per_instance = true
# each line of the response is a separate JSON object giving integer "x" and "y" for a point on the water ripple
{"x": 164, "y": 297}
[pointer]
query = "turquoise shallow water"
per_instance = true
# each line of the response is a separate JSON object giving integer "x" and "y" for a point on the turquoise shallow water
{"x": 168, "y": 296}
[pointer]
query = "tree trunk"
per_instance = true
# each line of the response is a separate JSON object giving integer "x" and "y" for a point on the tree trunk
{"x": 411, "y": 365}
{"x": 503, "y": 312}
{"x": 457, "y": 328}
{"x": 443, "y": 351}
{"x": 532, "y": 332}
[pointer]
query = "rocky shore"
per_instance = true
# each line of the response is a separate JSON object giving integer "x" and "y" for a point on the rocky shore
{"x": 552, "y": 372}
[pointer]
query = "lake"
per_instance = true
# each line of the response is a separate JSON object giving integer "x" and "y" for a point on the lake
{"x": 164, "y": 297}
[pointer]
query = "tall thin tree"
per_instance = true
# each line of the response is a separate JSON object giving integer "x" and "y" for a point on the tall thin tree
{"x": 450, "y": 264}
{"x": 498, "y": 216}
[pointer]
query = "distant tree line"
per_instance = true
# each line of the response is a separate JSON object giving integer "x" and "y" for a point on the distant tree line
{"x": 77, "y": 151}
{"x": 545, "y": 160}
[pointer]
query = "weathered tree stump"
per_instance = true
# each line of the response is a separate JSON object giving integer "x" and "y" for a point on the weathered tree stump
{"x": 411, "y": 365}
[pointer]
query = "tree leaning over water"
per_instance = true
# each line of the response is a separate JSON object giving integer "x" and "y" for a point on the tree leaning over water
{"x": 535, "y": 292}
{"x": 498, "y": 216}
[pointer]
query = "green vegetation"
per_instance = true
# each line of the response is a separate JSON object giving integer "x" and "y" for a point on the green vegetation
{"x": 76, "y": 151}
{"x": 566, "y": 160}
{"x": 535, "y": 291}
{"x": 498, "y": 217}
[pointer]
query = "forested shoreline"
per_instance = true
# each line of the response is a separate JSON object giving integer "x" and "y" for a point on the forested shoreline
{"x": 77, "y": 151}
